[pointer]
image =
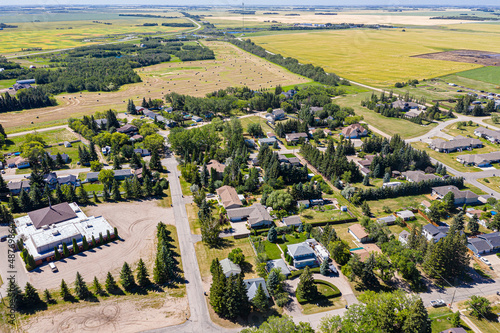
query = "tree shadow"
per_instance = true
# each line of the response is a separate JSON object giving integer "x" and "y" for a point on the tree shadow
{"x": 34, "y": 308}
{"x": 116, "y": 292}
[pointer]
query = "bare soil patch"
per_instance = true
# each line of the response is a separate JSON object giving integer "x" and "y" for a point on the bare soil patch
{"x": 136, "y": 223}
{"x": 232, "y": 67}
{"x": 124, "y": 314}
{"x": 468, "y": 56}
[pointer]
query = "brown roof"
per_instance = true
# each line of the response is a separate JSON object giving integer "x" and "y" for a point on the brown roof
{"x": 126, "y": 129}
{"x": 16, "y": 160}
{"x": 228, "y": 196}
{"x": 51, "y": 215}
{"x": 358, "y": 230}
{"x": 219, "y": 167}
{"x": 295, "y": 136}
{"x": 353, "y": 128}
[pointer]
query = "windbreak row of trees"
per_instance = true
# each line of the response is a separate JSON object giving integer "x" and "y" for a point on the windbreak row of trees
{"x": 315, "y": 73}
{"x": 26, "y": 99}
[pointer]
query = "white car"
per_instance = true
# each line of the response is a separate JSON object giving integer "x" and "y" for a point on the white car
{"x": 486, "y": 261}
{"x": 438, "y": 302}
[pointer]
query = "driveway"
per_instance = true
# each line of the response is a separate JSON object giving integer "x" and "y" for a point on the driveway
{"x": 18, "y": 271}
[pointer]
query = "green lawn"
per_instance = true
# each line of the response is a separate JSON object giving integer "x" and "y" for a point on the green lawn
{"x": 7, "y": 83}
{"x": 314, "y": 215}
{"x": 194, "y": 222}
{"x": 185, "y": 186}
{"x": 205, "y": 255}
{"x": 394, "y": 204}
{"x": 439, "y": 319}
{"x": 293, "y": 238}
{"x": 50, "y": 137}
{"x": 489, "y": 74}
{"x": 469, "y": 82}
{"x": 255, "y": 119}
{"x": 391, "y": 126}
{"x": 491, "y": 182}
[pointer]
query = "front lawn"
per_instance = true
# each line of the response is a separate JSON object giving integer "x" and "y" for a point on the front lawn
{"x": 328, "y": 298}
{"x": 439, "y": 319}
{"x": 328, "y": 215}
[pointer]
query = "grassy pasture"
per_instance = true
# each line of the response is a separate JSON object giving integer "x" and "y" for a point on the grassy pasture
{"x": 232, "y": 67}
{"x": 381, "y": 57}
{"x": 484, "y": 74}
{"x": 57, "y": 35}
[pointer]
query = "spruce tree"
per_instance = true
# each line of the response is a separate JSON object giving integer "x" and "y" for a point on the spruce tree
{"x": 101, "y": 239}
{"x": 242, "y": 293}
{"x": 110, "y": 283}
{"x": 366, "y": 180}
{"x": 418, "y": 319}
{"x": 142, "y": 274}
{"x": 96, "y": 199}
{"x": 36, "y": 197}
{"x": 14, "y": 204}
{"x": 260, "y": 300}
{"x": 59, "y": 194}
{"x": 25, "y": 204}
{"x": 136, "y": 187}
{"x": 217, "y": 289}
{"x": 387, "y": 177}
{"x": 272, "y": 235}
{"x": 115, "y": 232}
{"x": 116, "y": 163}
{"x": 83, "y": 196}
{"x": 15, "y": 295}
{"x": 323, "y": 269}
{"x": 116, "y": 191}
{"x": 3, "y": 185}
{"x": 97, "y": 286}
{"x": 473, "y": 225}
{"x": 126, "y": 277}
{"x": 57, "y": 254}
{"x": 47, "y": 297}
{"x": 231, "y": 298}
{"x": 307, "y": 289}
{"x": 155, "y": 162}
{"x": 273, "y": 281}
{"x": 158, "y": 189}
{"x": 93, "y": 242}
{"x": 148, "y": 186}
{"x": 64, "y": 292}
{"x": 81, "y": 290}
{"x": 108, "y": 236}
{"x": 105, "y": 193}
{"x": 71, "y": 195}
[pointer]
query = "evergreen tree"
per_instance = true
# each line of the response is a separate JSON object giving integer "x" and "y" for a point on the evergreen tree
{"x": 101, "y": 239}
{"x": 115, "y": 232}
{"x": 3, "y": 185}
{"x": 81, "y": 290}
{"x": 136, "y": 188}
{"x": 323, "y": 269}
{"x": 217, "y": 289}
{"x": 97, "y": 286}
{"x": 116, "y": 163}
{"x": 15, "y": 295}
{"x": 14, "y": 204}
{"x": 65, "y": 250}
{"x": 59, "y": 194}
{"x": 116, "y": 191}
{"x": 148, "y": 186}
{"x": 387, "y": 177}
{"x": 110, "y": 283}
{"x": 142, "y": 274}
{"x": 24, "y": 201}
{"x": 458, "y": 221}
{"x": 47, "y": 297}
{"x": 64, "y": 292}
{"x": 242, "y": 295}
{"x": 473, "y": 225}
{"x": 272, "y": 235}
{"x": 93, "y": 242}
{"x": 71, "y": 195}
{"x": 307, "y": 289}
{"x": 59, "y": 160}
{"x": 94, "y": 195}
{"x": 418, "y": 319}
{"x": 83, "y": 196}
{"x": 366, "y": 180}
{"x": 231, "y": 298}
{"x": 36, "y": 197}
{"x": 273, "y": 281}
{"x": 260, "y": 300}
{"x": 85, "y": 244}
{"x": 155, "y": 162}
{"x": 135, "y": 161}
{"x": 366, "y": 209}
{"x": 126, "y": 277}
{"x": 76, "y": 249}
{"x": 105, "y": 193}
{"x": 93, "y": 154}
{"x": 57, "y": 254}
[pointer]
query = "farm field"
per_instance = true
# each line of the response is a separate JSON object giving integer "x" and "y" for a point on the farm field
{"x": 66, "y": 34}
{"x": 391, "y": 126}
{"x": 369, "y": 56}
{"x": 485, "y": 74}
{"x": 232, "y": 67}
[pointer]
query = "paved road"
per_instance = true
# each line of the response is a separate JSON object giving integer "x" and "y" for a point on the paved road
{"x": 198, "y": 26}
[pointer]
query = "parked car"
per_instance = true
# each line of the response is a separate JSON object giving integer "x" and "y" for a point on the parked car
{"x": 437, "y": 303}
{"x": 333, "y": 269}
{"x": 53, "y": 267}
{"x": 486, "y": 261}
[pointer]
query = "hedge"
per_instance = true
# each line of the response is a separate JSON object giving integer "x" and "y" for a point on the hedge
{"x": 335, "y": 292}
{"x": 299, "y": 272}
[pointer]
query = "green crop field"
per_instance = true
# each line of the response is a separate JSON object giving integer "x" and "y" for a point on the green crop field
{"x": 66, "y": 34}
{"x": 485, "y": 74}
{"x": 381, "y": 57}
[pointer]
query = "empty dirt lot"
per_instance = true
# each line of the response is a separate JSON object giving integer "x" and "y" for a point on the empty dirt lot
{"x": 136, "y": 223}
{"x": 469, "y": 56}
{"x": 232, "y": 67}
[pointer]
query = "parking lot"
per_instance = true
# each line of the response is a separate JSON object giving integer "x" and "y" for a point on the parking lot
{"x": 136, "y": 223}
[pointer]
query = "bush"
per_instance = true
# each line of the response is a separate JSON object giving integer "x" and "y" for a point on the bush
{"x": 332, "y": 292}
{"x": 299, "y": 272}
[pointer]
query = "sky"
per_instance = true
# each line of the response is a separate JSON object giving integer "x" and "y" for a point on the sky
{"x": 264, "y": 2}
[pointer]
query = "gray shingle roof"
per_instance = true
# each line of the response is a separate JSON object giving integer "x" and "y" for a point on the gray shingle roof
{"x": 51, "y": 215}
{"x": 479, "y": 244}
{"x": 300, "y": 249}
{"x": 253, "y": 285}
{"x": 292, "y": 220}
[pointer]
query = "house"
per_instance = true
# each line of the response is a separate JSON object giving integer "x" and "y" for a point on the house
{"x": 314, "y": 109}
{"x": 302, "y": 254}
{"x": 141, "y": 109}
{"x": 52, "y": 180}
{"x": 197, "y": 119}
{"x": 480, "y": 160}
{"x": 295, "y": 161}
{"x": 119, "y": 175}
{"x": 391, "y": 184}
{"x": 479, "y": 245}
{"x": 488, "y": 134}
{"x": 461, "y": 197}
{"x": 367, "y": 161}
{"x": 278, "y": 263}
{"x": 418, "y": 176}
{"x": 294, "y": 137}
{"x": 18, "y": 162}
{"x": 413, "y": 114}
{"x": 306, "y": 203}
{"x": 365, "y": 251}
{"x": 454, "y": 330}
{"x": 406, "y": 106}
{"x": 136, "y": 138}
{"x": 267, "y": 141}
{"x": 493, "y": 239}
{"x": 288, "y": 94}
{"x": 142, "y": 152}
{"x": 358, "y": 232}
{"x": 255, "y": 215}
{"x": 354, "y": 131}
{"x": 19, "y": 86}
{"x": 252, "y": 286}
{"x": 217, "y": 166}
{"x": 404, "y": 237}
{"x": 64, "y": 157}
{"x": 16, "y": 187}
{"x": 278, "y": 114}
{"x": 388, "y": 220}
{"x": 458, "y": 143}
{"x": 433, "y": 233}
{"x": 229, "y": 268}
{"x": 271, "y": 135}
{"x": 292, "y": 220}
{"x": 128, "y": 129}
{"x": 228, "y": 197}
{"x": 406, "y": 215}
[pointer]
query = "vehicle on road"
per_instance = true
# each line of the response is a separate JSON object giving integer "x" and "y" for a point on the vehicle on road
{"x": 53, "y": 267}
{"x": 437, "y": 303}
{"x": 486, "y": 261}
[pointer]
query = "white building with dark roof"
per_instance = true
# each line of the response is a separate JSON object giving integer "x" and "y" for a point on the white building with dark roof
{"x": 43, "y": 229}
